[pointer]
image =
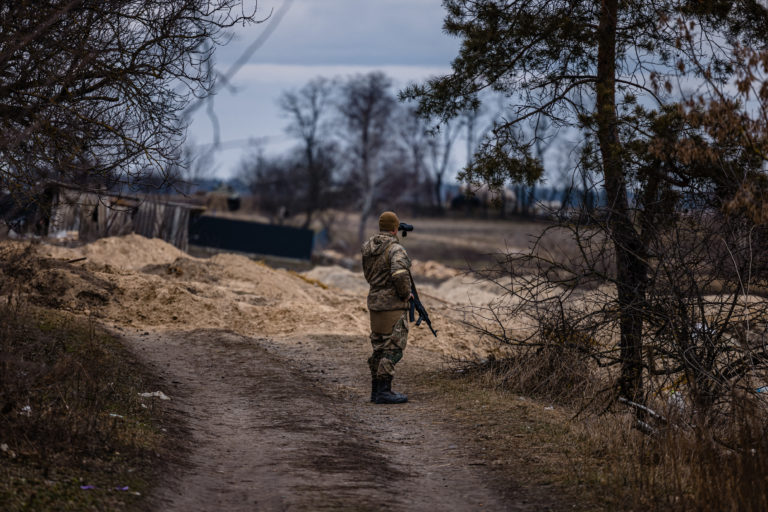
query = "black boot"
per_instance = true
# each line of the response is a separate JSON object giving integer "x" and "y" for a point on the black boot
{"x": 385, "y": 395}
{"x": 374, "y": 387}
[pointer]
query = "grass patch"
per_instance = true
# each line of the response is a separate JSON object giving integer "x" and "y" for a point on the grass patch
{"x": 536, "y": 452}
{"x": 596, "y": 459}
{"x": 70, "y": 415}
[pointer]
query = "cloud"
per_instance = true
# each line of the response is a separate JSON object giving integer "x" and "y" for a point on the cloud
{"x": 331, "y": 38}
{"x": 352, "y": 32}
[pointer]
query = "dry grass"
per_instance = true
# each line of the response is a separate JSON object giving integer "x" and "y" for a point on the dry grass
{"x": 682, "y": 469}
{"x": 588, "y": 446}
{"x": 595, "y": 458}
{"x": 535, "y": 451}
{"x": 552, "y": 372}
{"x": 70, "y": 415}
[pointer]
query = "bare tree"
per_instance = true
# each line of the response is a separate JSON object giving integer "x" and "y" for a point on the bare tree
{"x": 367, "y": 106}
{"x": 306, "y": 109}
{"x": 193, "y": 165}
{"x": 102, "y": 84}
{"x": 412, "y": 131}
{"x": 439, "y": 147}
{"x": 542, "y": 140}
{"x": 272, "y": 181}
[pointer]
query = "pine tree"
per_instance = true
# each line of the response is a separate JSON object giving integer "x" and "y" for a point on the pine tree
{"x": 633, "y": 77}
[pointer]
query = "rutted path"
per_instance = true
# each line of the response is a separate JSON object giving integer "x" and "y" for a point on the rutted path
{"x": 285, "y": 425}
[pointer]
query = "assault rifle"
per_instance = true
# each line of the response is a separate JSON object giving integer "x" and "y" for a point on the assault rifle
{"x": 418, "y": 306}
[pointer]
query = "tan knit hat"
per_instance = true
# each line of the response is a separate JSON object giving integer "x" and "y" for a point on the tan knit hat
{"x": 388, "y": 221}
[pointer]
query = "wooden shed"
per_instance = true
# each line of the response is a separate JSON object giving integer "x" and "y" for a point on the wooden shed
{"x": 97, "y": 215}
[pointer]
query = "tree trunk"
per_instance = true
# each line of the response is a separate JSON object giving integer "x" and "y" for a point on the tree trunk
{"x": 531, "y": 201}
{"x": 310, "y": 204}
{"x": 361, "y": 227}
{"x": 368, "y": 184}
{"x": 307, "y": 219}
{"x": 366, "y": 210}
{"x": 631, "y": 271}
{"x": 438, "y": 193}
{"x": 586, "y": 198}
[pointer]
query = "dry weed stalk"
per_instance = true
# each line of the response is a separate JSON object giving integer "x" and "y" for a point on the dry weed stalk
{"x": 705, "y": 352}
{"x": 705, "y": 313}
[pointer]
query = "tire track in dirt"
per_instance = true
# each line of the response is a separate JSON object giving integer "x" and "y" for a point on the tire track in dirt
{"x": 284, "y": 425}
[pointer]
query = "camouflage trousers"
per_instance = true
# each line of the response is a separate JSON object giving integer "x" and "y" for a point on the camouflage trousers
{"x": 388, "y": 348}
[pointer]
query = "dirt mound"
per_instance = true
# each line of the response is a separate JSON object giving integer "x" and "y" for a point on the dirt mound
{"x": 147, "y": 283}
{"x": 246, "y": 275}
{"x": 70, "y": 289}
{"x": 458, "y": 289}
{"x": 468, "y": 290}
{"x": 444, "y": 302}
{"x": 130, "y": 252}
{"x": 339, "y": 277}
{"x": 164, "y": 289}
{"x": 186, "y": 269}
{"x": 51, "y": 282}
{"x": 18, "y": 263}
{"x": 432, "y": 270}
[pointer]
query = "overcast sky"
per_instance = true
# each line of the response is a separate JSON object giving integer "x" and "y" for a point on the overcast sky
{"x": 402, "y": 38}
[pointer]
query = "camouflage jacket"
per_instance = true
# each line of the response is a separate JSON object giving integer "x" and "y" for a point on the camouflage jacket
{"x": 386, "y": 266}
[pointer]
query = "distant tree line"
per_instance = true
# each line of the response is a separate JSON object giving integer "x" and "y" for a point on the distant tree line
{"x": 357, "y": 147}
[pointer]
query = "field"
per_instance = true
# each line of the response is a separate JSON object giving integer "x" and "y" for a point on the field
{"x": 266, "y": 373}
{"x": 455, "y": 242}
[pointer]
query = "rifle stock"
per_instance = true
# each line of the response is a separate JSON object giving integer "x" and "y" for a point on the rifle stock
{"x": 416, "y": 305}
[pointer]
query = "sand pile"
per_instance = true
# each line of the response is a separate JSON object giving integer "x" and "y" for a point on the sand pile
{"x": 329, "y": 257}
{"x": 466, "y": 290}
{"x": 187, "y": 269}
{"x": 341, "y": 278}
{"x": 432, "y": 270}
{"x": 51, "y": 282}
{"x": 147, "y": 283}
{"x": 445, "y": 303}
{"x": 458, "y": 289}
{"x": 144, "y": 284}
{"x": 130, "y": 252}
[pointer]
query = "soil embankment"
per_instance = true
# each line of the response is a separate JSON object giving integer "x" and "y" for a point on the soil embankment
{"x": 147, "y": 284}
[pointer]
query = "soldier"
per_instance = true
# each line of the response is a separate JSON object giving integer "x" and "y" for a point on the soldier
{"x": 386, "y": 267}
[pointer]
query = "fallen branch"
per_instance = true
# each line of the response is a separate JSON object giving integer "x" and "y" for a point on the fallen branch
{"x": 653, "y": 414}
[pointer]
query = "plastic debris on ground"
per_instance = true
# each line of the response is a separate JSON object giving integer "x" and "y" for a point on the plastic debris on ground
{"x": 157, "y": 394}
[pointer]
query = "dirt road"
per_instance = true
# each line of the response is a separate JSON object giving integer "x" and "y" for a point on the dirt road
{"x": 286, "y": 425}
